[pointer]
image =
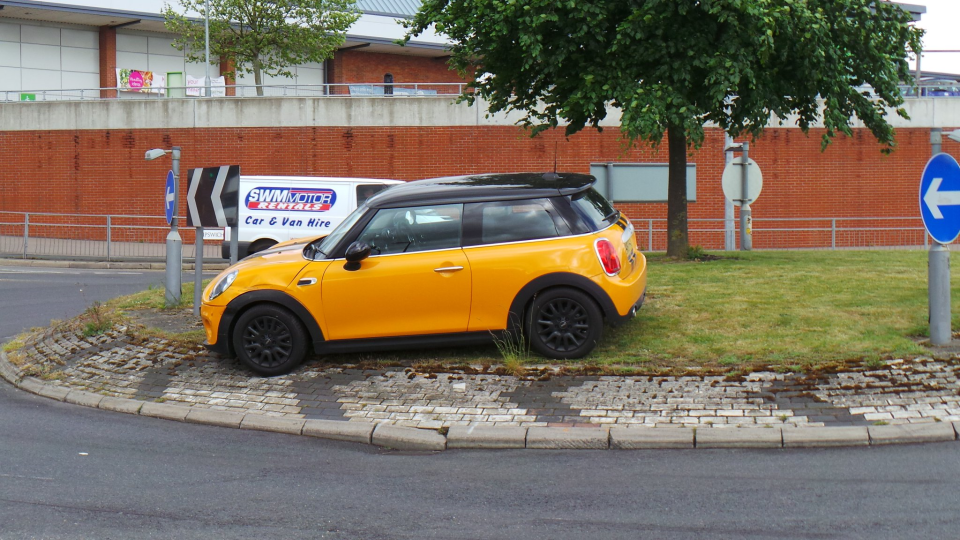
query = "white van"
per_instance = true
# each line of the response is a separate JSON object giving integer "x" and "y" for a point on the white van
{"x": 277, "y": 208}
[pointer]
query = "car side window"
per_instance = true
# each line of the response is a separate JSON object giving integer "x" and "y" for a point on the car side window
{"x": 365, "y": 191}
{"x": 514, "y": 221}
{"x": 417, "y": 228}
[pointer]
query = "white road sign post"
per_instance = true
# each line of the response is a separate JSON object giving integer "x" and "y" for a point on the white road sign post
{"x": 742, "y": 182}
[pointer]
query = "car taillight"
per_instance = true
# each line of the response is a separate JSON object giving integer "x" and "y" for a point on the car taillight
{"x": 608, "y": 256}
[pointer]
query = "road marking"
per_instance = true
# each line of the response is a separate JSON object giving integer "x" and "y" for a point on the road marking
{"x": 25, "y": 477}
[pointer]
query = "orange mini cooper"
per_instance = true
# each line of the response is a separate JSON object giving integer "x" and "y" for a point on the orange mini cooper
{"x": 459, "y": 260}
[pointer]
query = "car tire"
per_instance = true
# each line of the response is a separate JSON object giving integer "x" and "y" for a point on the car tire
{"x": 269, "y": 340}
{"x": 564, "y": 323}
{"x": 260, "y": 245}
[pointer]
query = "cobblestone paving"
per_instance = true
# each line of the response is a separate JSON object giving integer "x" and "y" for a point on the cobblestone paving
{"x": 117, "y": 364}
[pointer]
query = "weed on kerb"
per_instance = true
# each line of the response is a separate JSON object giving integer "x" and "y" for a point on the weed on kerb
{"x": 99, "y": 320}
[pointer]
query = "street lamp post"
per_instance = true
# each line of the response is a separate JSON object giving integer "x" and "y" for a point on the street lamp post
{"x": 174, "y": 241}
{"x": 206, "y": 33}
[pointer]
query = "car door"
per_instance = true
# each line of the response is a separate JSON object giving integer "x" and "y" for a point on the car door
{"x": 416, "y": 280}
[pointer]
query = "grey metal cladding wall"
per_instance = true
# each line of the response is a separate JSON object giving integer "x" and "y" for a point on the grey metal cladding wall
{"x": 400, "y": 8}
{"x": 639, "y": 182}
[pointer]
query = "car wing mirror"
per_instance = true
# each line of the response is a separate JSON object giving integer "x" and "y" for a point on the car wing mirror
{"x": 356, "y": 252}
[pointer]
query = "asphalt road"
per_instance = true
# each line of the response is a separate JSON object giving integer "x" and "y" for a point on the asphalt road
{"x": 31, "y": 297}
{"x": 73, "y": 472}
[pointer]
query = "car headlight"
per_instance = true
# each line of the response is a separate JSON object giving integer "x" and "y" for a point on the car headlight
{"x": 223, "y": 285}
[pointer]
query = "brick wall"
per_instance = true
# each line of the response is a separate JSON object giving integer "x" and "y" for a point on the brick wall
{"x": 357, "y": 66}
{"x": 103, "y": 172}
{"x": 108, "y": 60}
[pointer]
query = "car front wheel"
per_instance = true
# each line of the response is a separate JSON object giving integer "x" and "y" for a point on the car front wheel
{"x": 269, "y": 340}
{"x": 564, "y": 323}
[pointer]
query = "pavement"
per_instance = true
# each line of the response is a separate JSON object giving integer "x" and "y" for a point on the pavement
{"x": 418, "y": 408}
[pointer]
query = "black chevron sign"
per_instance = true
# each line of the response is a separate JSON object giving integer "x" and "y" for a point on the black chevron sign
{"x": 213, "y": 196}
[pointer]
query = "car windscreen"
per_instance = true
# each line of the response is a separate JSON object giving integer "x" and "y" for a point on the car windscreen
{"x": 329, "y": 242}
{"x": 594, "y": 209}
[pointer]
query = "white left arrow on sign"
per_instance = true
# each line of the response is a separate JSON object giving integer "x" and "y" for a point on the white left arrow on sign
{"x": 192, "y": 197}
{"x": 934, "y": 198}
{"x": 170, "y": 197}
{"x": 215, "y": 196}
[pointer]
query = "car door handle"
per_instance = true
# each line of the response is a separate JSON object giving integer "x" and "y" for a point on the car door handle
{"x": 448, "y": 269}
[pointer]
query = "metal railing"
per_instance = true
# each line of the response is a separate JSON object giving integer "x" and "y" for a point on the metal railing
{"x": 425, "y": 89}
{"x": 384, "y": 90}
{"x": 37, "y": 235}
{"x": 794, "y": 233}
{"x": 142, "y": 238}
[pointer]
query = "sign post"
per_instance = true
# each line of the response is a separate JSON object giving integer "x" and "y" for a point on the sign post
{"x": 171, "y": 202}
{"x": 940, "y": 210}
{"x": 742, "y": 182}
{"x": 746, "y": 214}
{"x": 729, "y": 232}
{"x": 212, "y": 201}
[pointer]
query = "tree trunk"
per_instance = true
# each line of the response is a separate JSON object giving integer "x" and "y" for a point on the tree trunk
{"x": 258, "y": 75}
{"x": 677, "y": 240}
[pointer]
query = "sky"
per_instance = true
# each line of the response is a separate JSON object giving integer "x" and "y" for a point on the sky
{"x": 942, "y": 25}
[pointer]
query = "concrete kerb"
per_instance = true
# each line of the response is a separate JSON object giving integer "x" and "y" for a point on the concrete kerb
{"x": 825, "y": 436}
{"x": 912, "y": 433}
{"x": 408, "y": 438}
{"x": 494, "y": 437}
{"x": 738, "y": 438}
{"x": 486, "y": 437}
{"x": 635, "y": 438}
{"x": 278, "y": 424}
{"x": 568, "y": 438}
{"x": 361, "y": 432}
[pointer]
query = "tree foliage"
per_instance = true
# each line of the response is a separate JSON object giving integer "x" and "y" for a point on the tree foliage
{"x": 672, "y": 66}
{"x": 263, "y": 36}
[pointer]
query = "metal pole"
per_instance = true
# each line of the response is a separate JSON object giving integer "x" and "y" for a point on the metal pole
{"x": 729, "y": 230}
{"x": 650, "y": 235}
{"x": 197, "y": 271}
{"x": 206, "y": 30}
{"x": 918, "y": 75}
{"x": 938, "y": 278}
{"x": 234, "y": 245}
{"x": 108, "y": 238}
{"x": 608, "y": 185}
{"x": 746, "y": 219}
{"x": 174, "y": 242}
{"x": 26, "y": 233}
{"x": 939, "y": 292}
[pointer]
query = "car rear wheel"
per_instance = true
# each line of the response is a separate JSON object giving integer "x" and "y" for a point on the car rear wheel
{"x": 269, "y": 340}
{"x": 564, "y": 323}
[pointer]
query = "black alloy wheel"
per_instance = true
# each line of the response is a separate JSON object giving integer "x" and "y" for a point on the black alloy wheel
{"x": 564, "y": 323}
{"x": 269, "y": 340}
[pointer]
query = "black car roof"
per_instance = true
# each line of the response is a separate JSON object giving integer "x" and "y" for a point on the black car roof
{"x": 481, "y": 187}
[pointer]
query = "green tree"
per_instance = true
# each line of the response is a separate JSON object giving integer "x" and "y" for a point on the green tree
{"x": 671, "y": 66}
{"x": 263, "y": 36}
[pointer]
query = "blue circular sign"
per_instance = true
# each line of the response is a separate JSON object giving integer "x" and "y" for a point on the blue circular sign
{"x": 940, "y": 198}
{"x": 169, "y": 197}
